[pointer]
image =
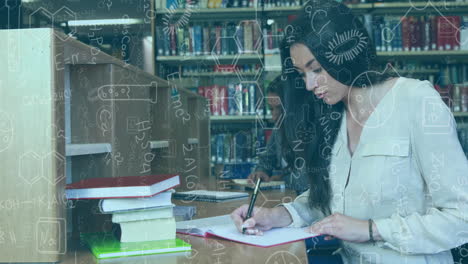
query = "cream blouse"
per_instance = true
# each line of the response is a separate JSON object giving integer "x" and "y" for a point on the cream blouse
{"x": 408, "y": 173}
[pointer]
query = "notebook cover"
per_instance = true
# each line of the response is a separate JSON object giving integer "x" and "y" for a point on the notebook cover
{"x": 102, "y": 244}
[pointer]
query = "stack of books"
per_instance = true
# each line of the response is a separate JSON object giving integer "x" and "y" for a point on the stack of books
{"x": 141, "y": 210}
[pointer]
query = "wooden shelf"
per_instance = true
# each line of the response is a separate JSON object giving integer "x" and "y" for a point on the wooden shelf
{"x": 420, "y": 7}
{"x": 219, "y": 74}
{"x": 432, "y": 55}
{"x": 277, "y": 11}
{"x": 159, "y": 144}
{"x": 230, "y": 59}
{"x": 243, "y": 118}
{"x": 460, "y": 114}
{"x": 87, "y": 149}
{"x": 212, "y": 13}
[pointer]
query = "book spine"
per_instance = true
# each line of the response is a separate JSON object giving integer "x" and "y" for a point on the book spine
{"x": 218, "y": 40}
{"x": 180, "y": 41}
{"x": 206, "y": 40}
{"x": 456, "y": 34}
{"x": 252, "y": 98}
{"x": 464, "y": 98}
{"x": 464, "y": 33}
{"x": 198, "y": 39}
{"x": 238, "y": 99}
{"x": 213, "y": 148}
{"x": 172, "y": 35}
{"x": 248, "y": 35}
{"x": 245, "y": 99}
{"x": 224, "y": 100}
{"x": 224, "y": 41}
{"x": 216, "y": 99}
{"x": 240, "y": 38}
{"x": 433, "y": 21}
{"x": 227, "y": 148}
{"x": 231, "y": 101}
{"x": 219, "y": 148}
{"x": 192, "y": 40}
{"x": 388, "y": 37}
{"x": 167, "y": 44}
{"x": 377, "y": 34}
{"x": 186, "y": 42}
{"x": 160, "y": 41}
{"x": 427, "y": 34}
{"x": 456, "y": 98}
{"x": 209, "y": 96}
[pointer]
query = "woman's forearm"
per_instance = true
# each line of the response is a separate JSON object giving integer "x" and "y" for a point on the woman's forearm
{"x": 280, "y": 217}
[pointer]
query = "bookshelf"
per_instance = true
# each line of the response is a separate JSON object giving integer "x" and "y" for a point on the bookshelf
{"x": 410, "y": 61}
{"x": 87, "y": 115}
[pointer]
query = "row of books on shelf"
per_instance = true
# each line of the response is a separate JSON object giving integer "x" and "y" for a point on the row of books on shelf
{"x": 142, "y": 214}
{"x": 412, "y": 33}
{"x": 394, "y": 1}
{"x": 222, "y": 68}
{"x": 462, "y": 131}
{"x": 233, "y": 99}
{"x": 208, "y": 4}
{"x": 204, "y": 39}
{"x": 236, "y": 147}
{"x": 455, "y": 96}
{"x": 205, "y": 4}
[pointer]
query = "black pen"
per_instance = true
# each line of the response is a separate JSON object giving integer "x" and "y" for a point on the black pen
{"x": 252, "y": 202}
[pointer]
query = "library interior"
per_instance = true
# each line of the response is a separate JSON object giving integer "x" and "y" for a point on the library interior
{"x": 234, "y": 131}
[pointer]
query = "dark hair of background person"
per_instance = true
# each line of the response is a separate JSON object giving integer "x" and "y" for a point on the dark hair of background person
{"x": 340, "y": 43}
{"x": 276, "y": 87}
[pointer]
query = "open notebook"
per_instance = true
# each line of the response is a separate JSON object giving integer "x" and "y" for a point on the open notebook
{"x": 223, "y": 227}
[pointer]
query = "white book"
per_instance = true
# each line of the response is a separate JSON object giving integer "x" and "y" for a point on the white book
{"x": 140, "y": 215}
{"x": 223, "y": 227}
{"x": 124, "y": 204}
{"x": 148, "y": 230}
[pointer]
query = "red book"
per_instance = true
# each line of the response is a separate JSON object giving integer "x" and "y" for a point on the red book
{"x": 216, "y": 100}
{"x": 209, "y": 96}
{"x": 223, "y": 100}
{"x": 447, "y": 28}
{"x": 406, "y": 33}
{"x": 121, "y": 187}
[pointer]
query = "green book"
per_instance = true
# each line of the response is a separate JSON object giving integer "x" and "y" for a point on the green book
{"x": 105, "y": 245}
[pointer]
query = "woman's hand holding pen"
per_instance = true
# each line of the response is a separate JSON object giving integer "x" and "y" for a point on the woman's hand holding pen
{"x": 262, "y": 219}
{"x": 345, "y": 228}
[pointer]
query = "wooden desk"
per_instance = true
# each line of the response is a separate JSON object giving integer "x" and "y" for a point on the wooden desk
{"x": 212, "y": 250}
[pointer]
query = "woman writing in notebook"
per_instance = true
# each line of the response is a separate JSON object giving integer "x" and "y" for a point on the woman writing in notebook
{"x": 391, "y": 181}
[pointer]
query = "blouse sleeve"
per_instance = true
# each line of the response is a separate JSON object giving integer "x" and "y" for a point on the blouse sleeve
{"x": 301, "y": 214}
{"x": 444, "y": 168}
